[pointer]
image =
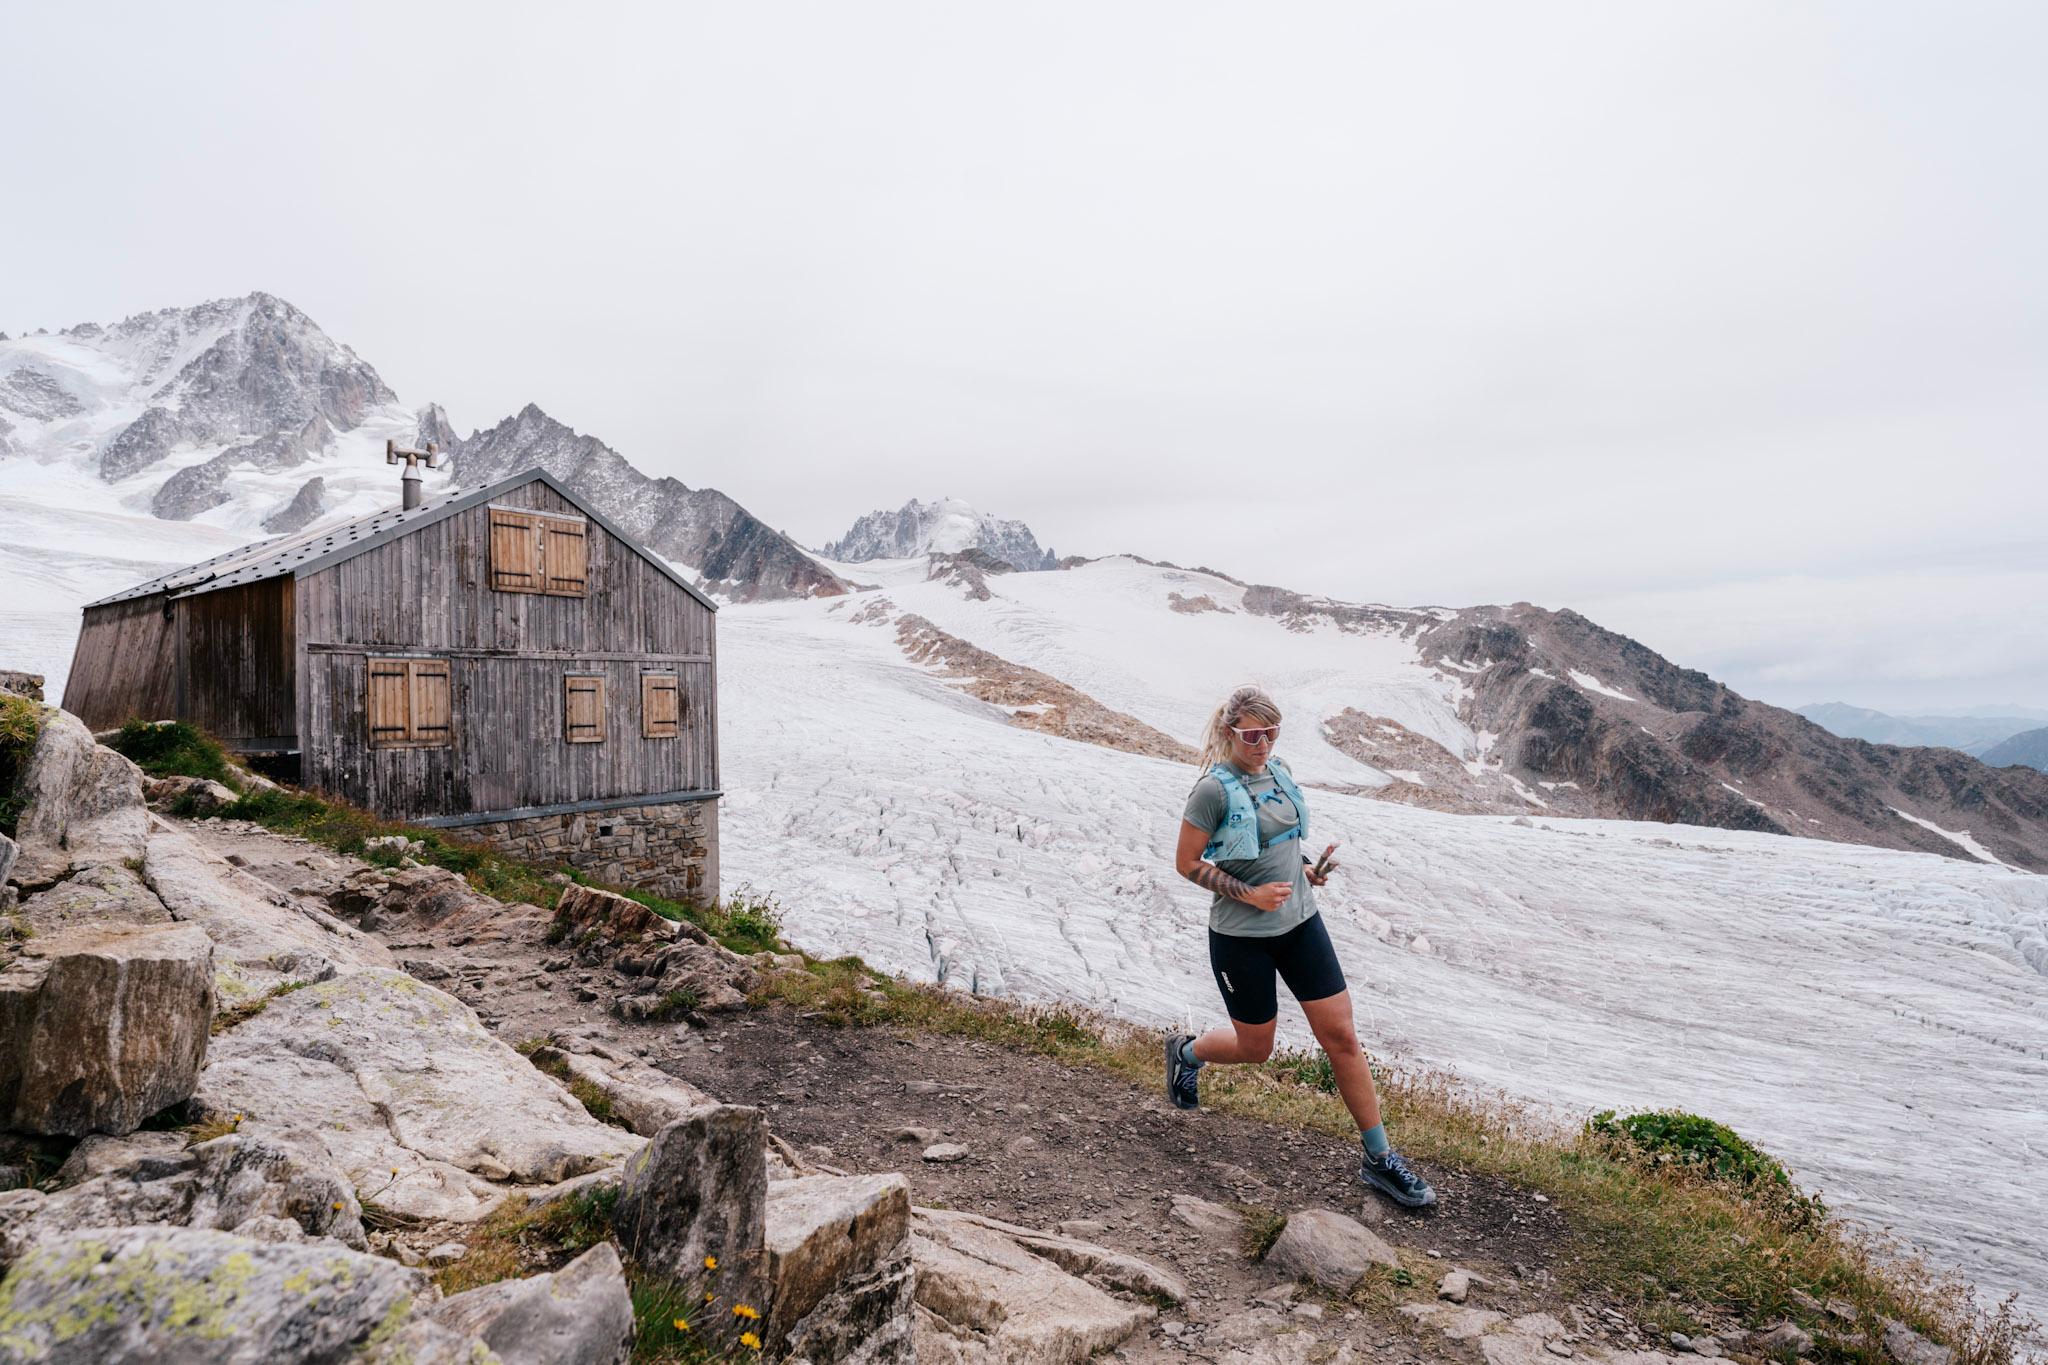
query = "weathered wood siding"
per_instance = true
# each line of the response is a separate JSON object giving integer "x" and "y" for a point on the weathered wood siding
{"x": 124, "y": 665}
{"x": 428, "y": 594}
{"x": 235, "y": 674}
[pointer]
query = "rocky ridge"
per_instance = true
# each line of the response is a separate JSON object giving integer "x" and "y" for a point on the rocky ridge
{"x": 947, "y": 526}
{"x": 736, "y": 555}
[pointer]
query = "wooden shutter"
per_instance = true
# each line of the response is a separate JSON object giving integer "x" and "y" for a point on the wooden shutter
{"x": 661, "y": 705}
{"x": 390, "y": 703}
{"x": 583, "y": 709}
{"x": 567, "y": 555}
{"x": 410, "y": 704}
{"x": 516, "y": 552}
{"x": 432, "y": 705}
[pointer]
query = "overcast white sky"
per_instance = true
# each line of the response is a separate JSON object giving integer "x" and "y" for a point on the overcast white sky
{"x": 1724, "y": 323}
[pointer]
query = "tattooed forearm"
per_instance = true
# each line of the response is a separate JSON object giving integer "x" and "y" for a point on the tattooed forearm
{"x": 1210, "y": 877}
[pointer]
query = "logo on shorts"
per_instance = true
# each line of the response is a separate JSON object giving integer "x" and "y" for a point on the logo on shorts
{"x": 1226, "y": 982}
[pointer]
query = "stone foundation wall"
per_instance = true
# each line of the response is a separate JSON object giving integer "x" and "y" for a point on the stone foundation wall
{"x": 670, "y": 849}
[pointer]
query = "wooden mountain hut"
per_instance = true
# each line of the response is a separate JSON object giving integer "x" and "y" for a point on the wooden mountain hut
{"x": 500, "y": 660}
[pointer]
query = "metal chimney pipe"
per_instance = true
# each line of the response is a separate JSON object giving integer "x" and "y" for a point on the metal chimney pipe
{"x": 410, "y": 479}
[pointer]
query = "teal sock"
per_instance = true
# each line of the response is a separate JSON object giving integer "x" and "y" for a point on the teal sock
{"x": 1187, "y": 1053}
{"x": 1376, "y": 1144}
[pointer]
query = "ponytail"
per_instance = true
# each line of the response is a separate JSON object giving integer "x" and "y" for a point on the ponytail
{"x": 1245, "y": 701}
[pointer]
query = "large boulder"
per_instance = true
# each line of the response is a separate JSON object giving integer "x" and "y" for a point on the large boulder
{"x": 839, "y": 1268}
{"x": 698, "y": 1190}
{"x": 82, "y": 805}
{"x": 1329, "y": 1248}
{"x": 223, "y": 1185}
{"x": 265, "y": 938}
{"x": 102, "y": 1027}
{"x": 184, "y": 1296}
{"x": 983, "y": 1298}
{"x": 581, "y": 1314}
{"x": 427, "y": 1113}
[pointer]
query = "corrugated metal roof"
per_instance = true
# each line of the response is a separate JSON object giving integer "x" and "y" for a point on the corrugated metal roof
{"x": 309, "y": 551}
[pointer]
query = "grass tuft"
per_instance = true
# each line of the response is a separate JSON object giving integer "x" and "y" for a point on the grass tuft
{"x": 21, "y": 724}
{"x": 172, "y": 748}
{"x": 223, "y": 1020}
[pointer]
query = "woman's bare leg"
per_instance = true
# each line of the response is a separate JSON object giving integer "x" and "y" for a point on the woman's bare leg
{"x": 1330, "y": 1019}
{"x": 1238, "y": 1043}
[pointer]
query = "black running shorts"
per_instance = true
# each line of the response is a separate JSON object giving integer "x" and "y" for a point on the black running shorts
{"x": 1245, "y": 968}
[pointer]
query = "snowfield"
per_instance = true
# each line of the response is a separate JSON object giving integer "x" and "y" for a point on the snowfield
{"x": 1842, "y": 1006}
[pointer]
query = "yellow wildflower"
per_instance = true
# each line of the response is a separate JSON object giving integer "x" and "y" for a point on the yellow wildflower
{"x": 741, "y": 1310}
{"x": 711, "y": 1263}
{"x": 749, "y": 1339}
{"x": 682, "y": 1324}
{"x": 337, "y": 1206}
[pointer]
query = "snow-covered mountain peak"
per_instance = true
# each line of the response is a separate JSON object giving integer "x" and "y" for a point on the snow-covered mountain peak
{"x": 947, "y": 526}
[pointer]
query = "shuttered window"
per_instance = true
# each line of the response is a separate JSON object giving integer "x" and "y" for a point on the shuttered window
{"x": 516, "y": 551}
{"x": 410, "y": 704}
{"x": 566, "y": 556}
{"x": 583, "y": 709}
{"x": 539, "y": 552}
{"x": 661, "y": 706}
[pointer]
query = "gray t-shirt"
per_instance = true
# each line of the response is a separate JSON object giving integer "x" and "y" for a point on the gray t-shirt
{"x": 1281, "y": 862}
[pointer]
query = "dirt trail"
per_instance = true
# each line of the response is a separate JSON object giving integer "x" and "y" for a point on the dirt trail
{"x": 1046, "y": 1144}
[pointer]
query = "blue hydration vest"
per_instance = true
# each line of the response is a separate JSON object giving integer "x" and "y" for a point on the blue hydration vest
{"x": 1237, "y": 838}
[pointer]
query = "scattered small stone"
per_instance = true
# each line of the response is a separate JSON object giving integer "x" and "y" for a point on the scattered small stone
{"x": 1542, "y": 1199}
{"x": 1436, "y": 1255}
{"x": 1081, "y": 1227}
{"x": 1681, "y": 1342}
{"x": 945, "y": 1152}
{"x": 1785, "y": 1336}
{"x": 1311, "y": 1311}
{"x": 1557, "y": 1348}
{"x": 923, "y": 1137}
{"x": 1707, "y": 1346}
{"x": 921, "y": 1087}
{"x": 1173, "y": 1329}
{"x": 448, "y": 1253}
{"x": 1457, "y": 1284}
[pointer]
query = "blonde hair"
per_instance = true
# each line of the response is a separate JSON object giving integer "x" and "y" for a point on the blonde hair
{"x": 1246, "y": 701}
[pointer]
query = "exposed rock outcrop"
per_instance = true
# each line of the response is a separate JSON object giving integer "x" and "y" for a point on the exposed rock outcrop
{"x": 428, "y": 1114}
{"x": 83, "y": 805}
{"x": 581, "y": 1314}
{"x": 984, "y": 1297}
{"x": 700, "y": 1189}
{"x": 103, "y": 1026}
{"x": 245, "y": 1181}
{"x": 302, "y": 511}
{"x": 158, "y": 1295}
{"x": 839, "y": 1268}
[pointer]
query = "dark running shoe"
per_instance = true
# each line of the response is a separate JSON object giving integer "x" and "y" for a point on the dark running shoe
{"x": 1390, "y": 1175}
{"x": 1182, "y": 1080}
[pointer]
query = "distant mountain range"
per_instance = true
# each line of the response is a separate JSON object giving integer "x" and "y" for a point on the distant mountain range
{"x": 2030, "y": 748}
{"x": 1972, "y": 730}
{"x": 243, "y": 414}
{"x": 172, "y": 432}
{"x": 947, "y": 526}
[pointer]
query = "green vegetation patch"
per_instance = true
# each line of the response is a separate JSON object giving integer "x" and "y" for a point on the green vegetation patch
{"x": 171, "y": 748}
{"x": 21, "y": 724}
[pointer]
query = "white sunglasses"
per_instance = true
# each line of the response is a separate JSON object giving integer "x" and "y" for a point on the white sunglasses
{"x": 1267, "y": 734}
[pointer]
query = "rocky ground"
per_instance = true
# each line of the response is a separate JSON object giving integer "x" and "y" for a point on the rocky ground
{"x": 985, "y": 1130}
